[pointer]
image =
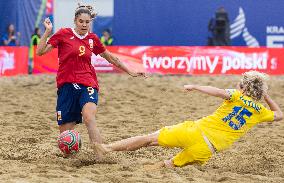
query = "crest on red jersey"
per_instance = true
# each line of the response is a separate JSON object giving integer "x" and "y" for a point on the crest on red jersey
{"x": 91, "y": 43}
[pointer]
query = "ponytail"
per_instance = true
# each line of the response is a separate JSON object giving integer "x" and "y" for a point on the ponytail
{"x": 85, "y": 9}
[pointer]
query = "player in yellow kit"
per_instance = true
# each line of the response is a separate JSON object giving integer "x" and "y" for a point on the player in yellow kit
{"x": 200, "y": 139}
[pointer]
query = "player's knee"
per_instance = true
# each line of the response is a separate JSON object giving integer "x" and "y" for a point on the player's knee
{"x": 89, "y": 117}
{"x": 149, "y": 140}
{"x": 153, "y": 138}
{"x": 89, "y": 109}
{"x": 67, "y": 126}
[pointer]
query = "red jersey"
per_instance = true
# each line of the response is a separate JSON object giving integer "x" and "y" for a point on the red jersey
{"x": 74, "y": 55}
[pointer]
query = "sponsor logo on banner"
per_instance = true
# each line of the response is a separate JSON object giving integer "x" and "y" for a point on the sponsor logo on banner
{"x": 208, "y": 60}
{"x": 275, "y": 36}
{"x": 180, "y": 62}
{"x": 209, "y": 63}
{"x": 238, "y": 27}
{"x": 241, "y": 61}
{"x": 7, "y": 61}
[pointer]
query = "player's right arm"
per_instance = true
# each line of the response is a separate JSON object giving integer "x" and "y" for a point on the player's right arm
{"x": 43, "y": 47}
{"x": 278, "y": 115}
{"x": 210, "y": 90}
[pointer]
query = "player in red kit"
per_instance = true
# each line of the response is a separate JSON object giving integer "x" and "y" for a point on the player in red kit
{"x": 76, "y": 78}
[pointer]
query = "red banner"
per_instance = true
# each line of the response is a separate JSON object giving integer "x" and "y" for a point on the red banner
{"x": 183, "y": 60}
{"x": 49, "y": 7}
{"x": 13, "y": 61}
{"x": 47, "y": 63}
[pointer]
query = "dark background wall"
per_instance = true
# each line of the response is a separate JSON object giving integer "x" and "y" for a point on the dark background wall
{"x": 184, "y": 22}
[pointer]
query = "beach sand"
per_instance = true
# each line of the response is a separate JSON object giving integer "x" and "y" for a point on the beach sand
{"x": 128, "y": 107}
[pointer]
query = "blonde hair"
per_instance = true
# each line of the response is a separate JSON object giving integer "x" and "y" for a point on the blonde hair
{"x": 254, "y": 84}
{"x": 85, "y": 9}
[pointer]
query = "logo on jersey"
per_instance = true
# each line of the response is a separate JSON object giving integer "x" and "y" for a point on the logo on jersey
{"x": 91, "y": 43}
{"x": 72, "y": 37}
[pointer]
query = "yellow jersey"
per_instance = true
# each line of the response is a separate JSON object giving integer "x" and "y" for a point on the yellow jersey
{"x": 233, "y": 119}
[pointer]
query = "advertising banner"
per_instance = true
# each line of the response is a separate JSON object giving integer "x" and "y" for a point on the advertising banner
{"x": 13, "y": 61}
{"x": 182, "y": 60}
{"x": 47, "y": 63}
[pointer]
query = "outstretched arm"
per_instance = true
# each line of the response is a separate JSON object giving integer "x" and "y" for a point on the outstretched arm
{"x": 278, "y": 115}
{"x": 115, "y": 61}
{"x": 210, "y": 90}
{"x": 43, "y": 47}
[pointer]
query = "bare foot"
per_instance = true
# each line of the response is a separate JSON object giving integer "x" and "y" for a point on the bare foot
{"x": 100, "y": 150}
{"x": 99, "y": 155}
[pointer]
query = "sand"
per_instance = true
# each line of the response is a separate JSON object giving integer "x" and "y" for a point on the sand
{"x": 127, "y": 107}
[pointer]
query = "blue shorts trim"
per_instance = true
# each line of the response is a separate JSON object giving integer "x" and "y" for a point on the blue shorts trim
{"x": 71, "y": 98}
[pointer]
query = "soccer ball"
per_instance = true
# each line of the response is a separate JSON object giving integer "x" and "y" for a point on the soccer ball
{"x": 69, "y": 142}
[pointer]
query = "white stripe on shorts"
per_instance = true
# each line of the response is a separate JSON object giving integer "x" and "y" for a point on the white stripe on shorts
{"x": 210, "y": 145}
{"x": 76, "y": 86}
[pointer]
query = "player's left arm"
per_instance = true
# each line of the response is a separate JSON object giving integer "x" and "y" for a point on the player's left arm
{"x": 43, "y": 47}
{"x": 278, "y": 114}
{"x": 115, "y": 61}
{"x": 210, "y": 90}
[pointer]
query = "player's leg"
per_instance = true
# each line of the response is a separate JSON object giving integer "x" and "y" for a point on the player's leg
{"x": 88, "y": 104}
{"x": 67, "y": 126}
{"x": 196, "y": 154}
{"x": 167, "y": 137}
{"x": 185, "y": 135}
{"x": 130, "y": 144}
{"x": 89, "y": 116}
{"x": 134, "y": 143}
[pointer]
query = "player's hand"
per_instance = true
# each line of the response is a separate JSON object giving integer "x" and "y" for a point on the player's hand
{"x": 189, "y": 87}
{"x": 169, "y": 163}
{"x": 48, "y": 25}
{"x": 138, "y": 74}
{"x": 153, "y": 167}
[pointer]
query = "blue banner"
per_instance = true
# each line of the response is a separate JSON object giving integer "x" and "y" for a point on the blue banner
{"x": 185, "y": 22}
{"x": 24, "y": 15}
{"x": 101, "y": 23}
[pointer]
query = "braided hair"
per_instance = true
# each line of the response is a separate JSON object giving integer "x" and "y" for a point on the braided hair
{"x": 254, "y": 84}
{"x": 88, "y": 9}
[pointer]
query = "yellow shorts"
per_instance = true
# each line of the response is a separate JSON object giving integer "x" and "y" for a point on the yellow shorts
{"x": 185, "y": 135}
